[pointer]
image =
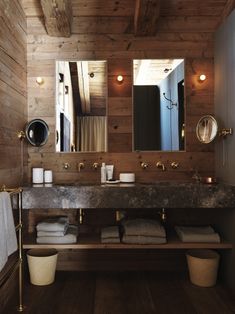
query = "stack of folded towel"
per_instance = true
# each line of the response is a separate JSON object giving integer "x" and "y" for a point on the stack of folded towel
{"x": 197, "y": 234}
{"x": 143, "y": 231}
{"x": 56, "y": 230}
{"x": 110, "y": 234}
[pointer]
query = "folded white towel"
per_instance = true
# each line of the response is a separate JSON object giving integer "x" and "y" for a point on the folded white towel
{"x": 144, "y": 227}
{"x": 53, "y": 224}
{"x": 8, "y": 241}
{"x": 52, "y": 233}
{"x": 70, "y": 237}
{"x": 197, "y": 234}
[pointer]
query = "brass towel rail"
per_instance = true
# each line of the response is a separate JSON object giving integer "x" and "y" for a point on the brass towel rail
{"x": 19, "y": 262}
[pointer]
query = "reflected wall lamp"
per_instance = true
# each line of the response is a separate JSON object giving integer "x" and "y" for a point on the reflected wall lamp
{"x": 39, "y": 80}
{"x": 202, "y": 78}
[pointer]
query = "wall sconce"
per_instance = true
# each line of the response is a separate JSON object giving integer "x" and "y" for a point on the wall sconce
{"x": 120, "y": 79}
{"x": 202, "y": 78}
{"x": 39, "y": 80}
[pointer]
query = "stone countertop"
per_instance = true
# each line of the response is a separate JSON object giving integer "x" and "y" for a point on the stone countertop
{"x": 168, "y": 195}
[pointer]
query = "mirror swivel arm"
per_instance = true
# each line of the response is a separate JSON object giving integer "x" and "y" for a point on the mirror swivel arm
{"x": 170, "y": 107}
{"x": 224, "y": 132}
{"x": 21, "y": 135}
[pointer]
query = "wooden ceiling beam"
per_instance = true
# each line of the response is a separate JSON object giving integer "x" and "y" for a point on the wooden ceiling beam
{"x": 146, "y": 16}
{"x": 58, "y": 17}
{"x": 229, "y": 7}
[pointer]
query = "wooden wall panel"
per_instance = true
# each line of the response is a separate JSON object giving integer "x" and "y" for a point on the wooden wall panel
{"x": 13, "y": 102}
{"x": 13, "y": 110}
{"x": 178, "y": 37}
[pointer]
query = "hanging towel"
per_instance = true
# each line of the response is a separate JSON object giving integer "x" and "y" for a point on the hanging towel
{"x": 144, "y": 227}
{"x": 8, "y": 241}
{"x": 53, "y": 224}
{"x": 197, "y": 234}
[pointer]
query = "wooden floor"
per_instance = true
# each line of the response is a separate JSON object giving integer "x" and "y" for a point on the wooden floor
{"x": 124, "y": 293}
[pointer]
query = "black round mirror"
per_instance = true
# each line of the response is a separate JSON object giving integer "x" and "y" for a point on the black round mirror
{"x": 37, "y": 132}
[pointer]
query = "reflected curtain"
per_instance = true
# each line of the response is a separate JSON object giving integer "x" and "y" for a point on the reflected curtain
{"x": 92, "y": 134}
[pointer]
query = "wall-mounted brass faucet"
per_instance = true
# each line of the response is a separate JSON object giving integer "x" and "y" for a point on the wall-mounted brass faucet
{"x": 81, "y": 166}
{"x": 161, "y": 165}
{"x": 162, "y": 214}
{"x": 144, "y": 165}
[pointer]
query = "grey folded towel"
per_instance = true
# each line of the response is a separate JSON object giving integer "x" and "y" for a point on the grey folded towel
{"x": 53, "y": 233}
{"x": 197, "y": 234}
{"x": 70, "y": 237}
{"x": 110, "y": 232}
{"x": 53, "y": 224}
{"x": 143, "y": 239}
{"x": 144, "y": 227}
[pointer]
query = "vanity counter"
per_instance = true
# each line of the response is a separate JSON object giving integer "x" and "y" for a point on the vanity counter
{"x": 168, "y": 195}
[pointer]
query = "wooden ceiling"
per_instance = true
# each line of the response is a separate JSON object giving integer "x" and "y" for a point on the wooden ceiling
{"x": 140, "y": 17}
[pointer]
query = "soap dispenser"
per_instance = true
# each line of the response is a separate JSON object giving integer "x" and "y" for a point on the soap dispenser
{"x": 103, "y": 173}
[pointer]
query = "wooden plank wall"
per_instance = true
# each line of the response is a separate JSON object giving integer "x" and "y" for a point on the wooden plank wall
{"x": 13, "y": 110}
{"x": 111, "y": 38}
{"x": 13, "y": 104}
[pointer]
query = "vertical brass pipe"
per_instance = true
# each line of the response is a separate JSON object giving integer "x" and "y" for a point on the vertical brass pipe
{"x": 20, "y": 306}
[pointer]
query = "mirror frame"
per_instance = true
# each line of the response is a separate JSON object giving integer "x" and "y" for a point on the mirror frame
{"x": 27, "y": 130}
{"x": 209, "y": 117}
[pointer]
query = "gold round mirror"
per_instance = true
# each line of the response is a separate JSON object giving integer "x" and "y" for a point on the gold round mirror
{"x": 206, "y": 129}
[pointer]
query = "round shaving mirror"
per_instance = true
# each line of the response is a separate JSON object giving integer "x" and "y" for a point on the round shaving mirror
{"x": 37, "y": 132}
{"x": 206, "y": 129}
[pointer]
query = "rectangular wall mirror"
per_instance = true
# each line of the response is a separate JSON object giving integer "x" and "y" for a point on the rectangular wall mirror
{"x": 158, "y": 105}
{"x": 81, "y": 102}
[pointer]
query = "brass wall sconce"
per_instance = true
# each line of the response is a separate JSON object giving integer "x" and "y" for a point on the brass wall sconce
{"x": 39, "y": 80}
{"x": 202, "y": 78}
{"x": 120, "y": 79}
{"x": 66, "y": 165}
{"x": 95, "y": 165}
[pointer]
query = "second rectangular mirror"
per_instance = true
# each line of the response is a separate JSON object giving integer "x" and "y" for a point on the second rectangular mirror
{"x": 158, "y": 105}
{"x": 81, "y": 101}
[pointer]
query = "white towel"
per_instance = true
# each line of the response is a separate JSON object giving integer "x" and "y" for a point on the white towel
{"x": 70, "y": 237}
{"x": 53, "y": 224}
{"x": 8, "y": 241}
{"x": 52, "y": 233}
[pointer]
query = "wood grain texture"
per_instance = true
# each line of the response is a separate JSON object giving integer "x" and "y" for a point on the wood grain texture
{"x": 147, "y": 13}
{"x": 184, "y": 32}
{"x": 58, "y": 17}
{"x": 13, "y": 113}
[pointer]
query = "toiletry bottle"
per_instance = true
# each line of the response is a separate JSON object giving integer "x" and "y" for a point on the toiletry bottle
{"x": 103, "y": 173}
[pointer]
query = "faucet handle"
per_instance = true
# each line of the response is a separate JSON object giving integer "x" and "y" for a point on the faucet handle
{"x": 95, "y": 165}
{"x": 66, "y": 165}
{"x": 174, "y": 165}
{"x": 144, "y": 165}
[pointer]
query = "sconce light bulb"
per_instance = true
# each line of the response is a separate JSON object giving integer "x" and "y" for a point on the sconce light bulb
{"x": 39, "y": 80}
{"x": 202, "y": 77}
{"x": 120, "y": 78}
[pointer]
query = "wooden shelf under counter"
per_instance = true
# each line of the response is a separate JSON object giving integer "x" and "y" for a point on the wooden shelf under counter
{"x": 88, "y": 241}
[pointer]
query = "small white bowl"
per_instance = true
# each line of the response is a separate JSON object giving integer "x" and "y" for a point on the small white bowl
{"x": 127, "y": 177}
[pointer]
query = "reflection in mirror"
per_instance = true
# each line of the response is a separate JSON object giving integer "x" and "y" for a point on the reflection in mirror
{"x": 81, "y": 97}
{"x": 158, "y": 104}
{"x": 206, "y": 129}
{"x": 37, "y": 132}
